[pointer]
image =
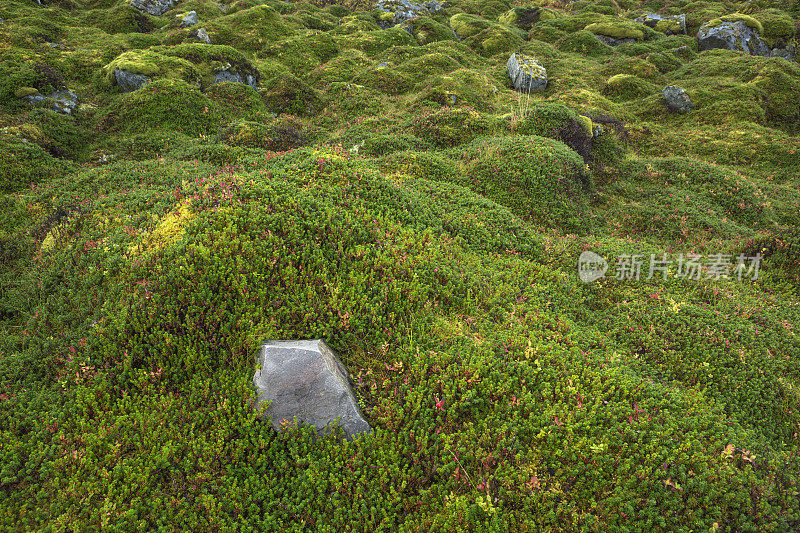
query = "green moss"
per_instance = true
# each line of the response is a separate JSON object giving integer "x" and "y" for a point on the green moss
{"x": 636, "y": 66}
{"x": 375, "y": 41}
{"x": 238, "y": 100}
{"x": 618, "y": 30}
{"x": 422, "y": 67}
{"x": 585, "y": 43}
{"x": 778, "y": 26}
{"x": 466, "y": 25}
{"x": 668, "y": 26}
{"x": 344, "y": 68}
{"x": 523, "y": 17}
{"x": 154, "y": 65}
{"x": 459, "y": 88}
{"x": 304, "y": 51}
{"x": 450, "y": 126}
{"x": 426, "y": 30}
{"x": 350, "y": 100}
{"x": 539, "y": 179}
{"x": 119, "y": 19}
{"x": 624, "y": 87}
{"x": 250, "y": 29}
{"x": 25, "y": 162}
{"x": 163, "y": 104}
{"x": 738, "y": 17}
{"x": 22, "y": 92}
{"x": 780, "y": 83}
{"x": 287, "y": 94}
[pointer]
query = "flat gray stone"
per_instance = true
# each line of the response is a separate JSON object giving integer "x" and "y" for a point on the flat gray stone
{"x": 305, "y": 379}
{"x": 526, "y": 73}
{"x": 676, "y": 99}
{"x": 129, "y": 81}
{"x": 732, "y": 36}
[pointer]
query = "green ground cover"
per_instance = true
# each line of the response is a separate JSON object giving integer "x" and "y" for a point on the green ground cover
{"x": 387, "y": 190}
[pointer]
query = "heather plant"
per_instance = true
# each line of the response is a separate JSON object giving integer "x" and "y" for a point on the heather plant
{"x": 374, "y": 190}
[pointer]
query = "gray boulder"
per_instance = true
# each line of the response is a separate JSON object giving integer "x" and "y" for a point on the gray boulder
{"x": 235, "y": 77}
{"x": 190, "y": 19}
{"x": 305, "y": 379}
{"x": 652, "y": 20}
{"x": 732, "y": 36}
{"x": 404, "y": 10}
{"x": 201, "y": 35}
{"x": 129, "y": 81}
{"x": 153, "y": 7}
{"x": 63, "y": 102}
{"x": 676, "y": 99}
{"x": 526, "y": 73}
{"x": 789, "y": 53}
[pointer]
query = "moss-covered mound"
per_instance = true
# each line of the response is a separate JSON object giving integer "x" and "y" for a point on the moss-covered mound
{"x": 295, "y": 170}
{"x": 539, "y": 179}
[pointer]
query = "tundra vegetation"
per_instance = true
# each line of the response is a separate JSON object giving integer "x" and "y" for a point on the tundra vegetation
{"x": 385, "y": 188}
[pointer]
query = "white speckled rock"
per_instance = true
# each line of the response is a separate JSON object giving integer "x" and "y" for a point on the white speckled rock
{"x": 526, "y": 73}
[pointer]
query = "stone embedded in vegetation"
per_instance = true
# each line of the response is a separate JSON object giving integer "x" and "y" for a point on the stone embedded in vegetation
{"x": 63, "y": 102}
{"x": 129, "y": 81}
{"x": 668, "y": 24}
{"x": 201, "y": 35}
{"x": 190, "y": 19}
{"x": 399, "y": 11}
{"x": 526, "y": 73}
{"x": 153, "y": 7}
{"x": 305, "y": 379}
{"x": 676, "y": 99}
{"x": 227, "y": 74}
{"x": 734, "y": 35}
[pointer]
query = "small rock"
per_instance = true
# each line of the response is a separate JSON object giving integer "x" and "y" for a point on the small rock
{"x": 129, "y": 81}
{"x": 732, "y": 36}
{"x": 526, "y": 73}
{"x": 789, "y": 53}
{"x": 153, "y": 7}
{"x": 676, "y": 99}
{"x": 652, "y": 19}
{"x": 63, "y": 102}
{"x": 404, "y": 10}
{"x": 190, "y": 19}
{"x": 613, "y": 41}
{"x": 235, "y": 77}
{"x": 202, "y": 36}
{"x": 384, "y": 64}
{"x": 305, "y": 379}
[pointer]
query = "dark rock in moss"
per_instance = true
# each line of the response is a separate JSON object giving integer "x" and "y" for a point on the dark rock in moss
{"x": 305, "y": 379}
{"x": 676, "y": 99}
{"x": 129, "y": 81}
{"x": 734, "y": 35}
{"x": 526, "y": 73}
{"x": 153, "y": 7}
{"x": 789, "y": 53}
